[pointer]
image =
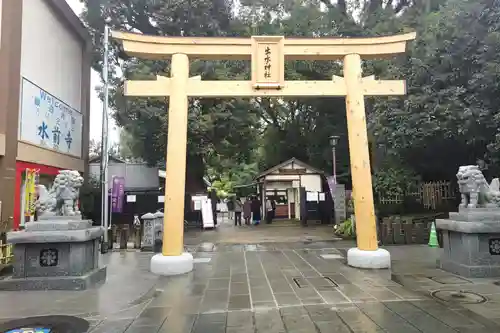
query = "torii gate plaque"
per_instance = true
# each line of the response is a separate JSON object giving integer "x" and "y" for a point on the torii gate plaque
{"x": 267, "y": 55}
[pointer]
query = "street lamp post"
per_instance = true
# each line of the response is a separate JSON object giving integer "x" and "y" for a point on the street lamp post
{"x": 334, "y": 139}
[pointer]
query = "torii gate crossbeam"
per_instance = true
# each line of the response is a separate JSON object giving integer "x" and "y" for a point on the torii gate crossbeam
{"x": 267, "y": 55}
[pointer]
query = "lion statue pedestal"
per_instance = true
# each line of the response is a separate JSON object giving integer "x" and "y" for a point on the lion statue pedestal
{"x": 471, "y": 237}
{"x": 61, "y": 250}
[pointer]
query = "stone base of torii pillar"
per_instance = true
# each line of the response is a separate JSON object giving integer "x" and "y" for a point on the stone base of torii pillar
{"x": 377, "y": 259}
{"x": 171, "y": 265}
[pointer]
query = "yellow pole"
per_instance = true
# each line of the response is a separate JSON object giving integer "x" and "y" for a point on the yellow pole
{"x": 366, "y": 229}
{"x": 175, "y": 179}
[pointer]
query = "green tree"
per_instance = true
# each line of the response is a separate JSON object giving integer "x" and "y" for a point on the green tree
{"x": 450, "y": 115}
{"x": 95, "y": 150}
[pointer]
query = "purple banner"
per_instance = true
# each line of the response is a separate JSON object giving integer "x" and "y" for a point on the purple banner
{"x": 331, "y": 184}
{"x": 117, "y": 194}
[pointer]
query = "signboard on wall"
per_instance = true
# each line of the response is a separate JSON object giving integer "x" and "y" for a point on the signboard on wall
{"x": 48, "y": 122}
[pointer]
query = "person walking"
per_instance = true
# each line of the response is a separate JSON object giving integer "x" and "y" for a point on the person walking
{"x": 247, "y": 210}
{"x": 213, "y": 200}
{"x": 256, "y": 211}
{"x": 238, "y": 207}
{"x": 230, "y": 208}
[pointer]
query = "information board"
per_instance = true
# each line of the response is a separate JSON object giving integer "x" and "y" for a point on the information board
{"x": 207, "y": 214}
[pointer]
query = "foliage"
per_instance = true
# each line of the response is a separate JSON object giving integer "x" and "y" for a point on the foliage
{"x": 242, "y": 174}
{"x": 114, "y": 150}
{"x": 350, "y": 205}
{"x": 346, "y": 229}
{"x": 451, "y": 113}
{"x": 394, "y": 181}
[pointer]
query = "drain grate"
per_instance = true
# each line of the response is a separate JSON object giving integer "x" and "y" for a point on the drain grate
{"x": 320, "y": 283}
{"x": 458, "y": 296}
{"x": 46, "y": 324}
{"x": 332, "y": 281}
{"x": 300, "y": 282}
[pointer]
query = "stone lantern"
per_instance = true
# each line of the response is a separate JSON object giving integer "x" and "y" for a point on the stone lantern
{"x": 158, "y": 227}
{"x": 148, "y": 234}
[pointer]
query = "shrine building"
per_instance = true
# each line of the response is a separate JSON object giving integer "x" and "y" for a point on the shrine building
{"x": 282, "y": 182}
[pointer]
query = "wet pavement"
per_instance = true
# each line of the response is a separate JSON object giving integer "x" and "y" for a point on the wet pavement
{"x": 480, "y": 296}
{"x": 278, "y": 286}
{"x": 278, "y": 231}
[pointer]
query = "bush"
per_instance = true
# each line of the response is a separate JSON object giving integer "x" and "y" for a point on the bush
{"x": 394, "y": 181}
{"x": 346, "y": 229}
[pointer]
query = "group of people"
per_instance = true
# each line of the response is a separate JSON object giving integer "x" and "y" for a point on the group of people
{"x": 251, "y": 210}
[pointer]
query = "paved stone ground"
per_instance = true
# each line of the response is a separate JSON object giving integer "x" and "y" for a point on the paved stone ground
{"x": 273, "y": 287}
{"x": 278, "y": 231}
{"x": 421, "y": 276}
{"x": 124, "y": 270}
{"x": 281, "y": 287}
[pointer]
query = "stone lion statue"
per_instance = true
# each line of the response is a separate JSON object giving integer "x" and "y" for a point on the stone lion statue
{"x": 474, "y": 188}
{"x": 62, "y": 198}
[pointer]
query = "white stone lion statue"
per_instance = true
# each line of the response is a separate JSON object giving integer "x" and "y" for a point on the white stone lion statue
{"x": 62, "y": 198}
{"x": 474, "y": 188}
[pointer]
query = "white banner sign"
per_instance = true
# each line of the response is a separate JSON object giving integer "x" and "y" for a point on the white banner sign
{"x": 207, "y": 214}
{"x": 48, "y": 122}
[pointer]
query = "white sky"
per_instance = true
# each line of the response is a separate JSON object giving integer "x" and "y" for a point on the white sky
{"x": 96, "y": 105}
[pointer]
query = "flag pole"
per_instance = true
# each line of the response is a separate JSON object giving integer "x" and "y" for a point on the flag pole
{"x": 105, "y": 146}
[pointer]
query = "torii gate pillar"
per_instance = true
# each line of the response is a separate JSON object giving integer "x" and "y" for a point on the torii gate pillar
{"x": 173, "y": 260}
{"x": 367, "y": 254}
{"x": 267, "y": 55}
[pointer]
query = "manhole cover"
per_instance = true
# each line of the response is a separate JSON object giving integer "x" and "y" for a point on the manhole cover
{"x": 46, "y": 324}
{"x": 458, "y": 296}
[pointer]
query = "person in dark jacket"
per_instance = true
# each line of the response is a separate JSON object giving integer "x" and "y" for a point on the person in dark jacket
{"x": 273, "y": 205}
{"x": 238, "y": 208}
{"x": 247, "y": 210}
{"x": 269, "y": 211}
{"x": 256, "y": 211}
{"x": 214, "y": 200}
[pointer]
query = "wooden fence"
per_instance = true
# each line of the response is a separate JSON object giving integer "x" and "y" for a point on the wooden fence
{"x": 430, "y": 195}
{"x": 397, "y": 229}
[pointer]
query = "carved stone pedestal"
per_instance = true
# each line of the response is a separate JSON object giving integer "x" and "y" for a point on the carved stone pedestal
{"x": 471, "y": 242}
{"x": 60, "y": 253}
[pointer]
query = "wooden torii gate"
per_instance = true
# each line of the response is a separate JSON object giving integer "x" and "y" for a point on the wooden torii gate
{"x": 267, "y": 55}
